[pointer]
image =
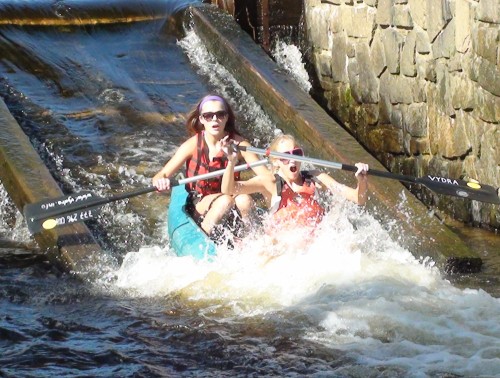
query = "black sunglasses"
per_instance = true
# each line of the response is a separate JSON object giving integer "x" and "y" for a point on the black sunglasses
{"x": 209, "y": 116}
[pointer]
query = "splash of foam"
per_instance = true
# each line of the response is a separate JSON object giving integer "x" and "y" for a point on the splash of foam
{"x": 290, "y": 59}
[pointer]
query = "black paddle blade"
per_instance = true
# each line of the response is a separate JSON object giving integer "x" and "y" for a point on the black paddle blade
{"x": 57, "y": 205}
{"x": 47, "y": 223}
{"x": 460, "y": 188}
{"x": 51, "y": 213}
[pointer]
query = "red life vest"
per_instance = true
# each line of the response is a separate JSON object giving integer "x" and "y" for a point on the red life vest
{"x": 200, "y": 163}
{"x": 298, "y": 208}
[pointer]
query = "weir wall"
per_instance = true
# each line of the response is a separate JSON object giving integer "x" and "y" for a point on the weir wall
{"x": 27, "y": 180}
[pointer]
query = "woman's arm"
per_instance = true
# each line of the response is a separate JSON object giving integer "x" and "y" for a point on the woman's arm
{"x": 357, "y": 195}
{"x": 227, "y": 183}
{"x": 185, "y": 151}
{"x": 263, "y": 183}
{"x": 251, "y": 157}
{"x": 259, "y": 184}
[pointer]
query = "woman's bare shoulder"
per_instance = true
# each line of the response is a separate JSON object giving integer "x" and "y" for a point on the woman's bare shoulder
{"x": 191, "y": 141}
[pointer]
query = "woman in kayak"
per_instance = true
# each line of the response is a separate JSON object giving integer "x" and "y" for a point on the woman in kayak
{"x": 208, "y": 123}
{"x": 292, "y": 193}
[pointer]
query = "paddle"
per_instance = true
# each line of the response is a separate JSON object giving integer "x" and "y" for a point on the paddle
{"x": 82, "y": 206}
{"x": 442, "y": 185}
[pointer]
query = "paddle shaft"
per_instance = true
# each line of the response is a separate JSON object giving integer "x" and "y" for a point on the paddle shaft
{"x": 328, "y": 164}
{"x": 75, "y": 204}
{"x": 442, "y": 185}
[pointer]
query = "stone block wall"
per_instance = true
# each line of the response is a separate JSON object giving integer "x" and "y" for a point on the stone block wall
{"x": 418, "y": 83}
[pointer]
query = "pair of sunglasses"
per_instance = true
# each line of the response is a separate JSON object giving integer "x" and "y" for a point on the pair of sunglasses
{"x": 209, "y": 116}
{"x": 295, "y": 151}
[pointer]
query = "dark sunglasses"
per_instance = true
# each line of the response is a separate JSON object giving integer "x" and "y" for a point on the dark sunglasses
{"x": 295, "y": 151}
{"x": 209, "y": 116}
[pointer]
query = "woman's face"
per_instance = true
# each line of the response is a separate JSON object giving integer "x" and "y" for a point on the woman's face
{"x": 289, "y": 168}
{"x": 213, "y": 116}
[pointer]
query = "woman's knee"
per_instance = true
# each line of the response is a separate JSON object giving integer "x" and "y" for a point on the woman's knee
{"x": 244, "y": 202}
{"x": 225, "y": 202}
{"x": 218, "y": 209}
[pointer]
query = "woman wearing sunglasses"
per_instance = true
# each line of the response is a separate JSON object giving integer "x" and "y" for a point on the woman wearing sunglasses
{"x": 292, "y": 193}
{"x": 208, "y": 124}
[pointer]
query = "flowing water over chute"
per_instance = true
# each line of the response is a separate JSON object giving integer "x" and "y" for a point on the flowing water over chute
{"x": 348, "y": 302}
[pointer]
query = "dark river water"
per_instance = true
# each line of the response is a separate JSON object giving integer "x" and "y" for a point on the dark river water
{"x": 105, "y": 107}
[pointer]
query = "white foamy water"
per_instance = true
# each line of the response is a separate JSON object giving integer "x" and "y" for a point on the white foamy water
{"x": 363, "y": 294}
{"x": 12, "y": 225}
{"x": 289, "y": 58}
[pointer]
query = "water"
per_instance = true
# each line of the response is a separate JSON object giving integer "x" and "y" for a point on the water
{"x": 105, "y": 107}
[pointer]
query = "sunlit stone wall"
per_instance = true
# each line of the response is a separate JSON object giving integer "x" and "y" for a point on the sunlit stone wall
{"x": 418, "y": 83}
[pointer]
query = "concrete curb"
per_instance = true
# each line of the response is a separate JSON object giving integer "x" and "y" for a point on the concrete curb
{"x": 296, "y": 112}
{"x": 27, "y": 180}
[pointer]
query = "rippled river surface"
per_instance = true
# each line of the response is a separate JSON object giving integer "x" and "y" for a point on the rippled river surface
{"x": 105, "y": 107}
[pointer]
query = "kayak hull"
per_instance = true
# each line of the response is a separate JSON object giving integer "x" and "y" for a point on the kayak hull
{"x": 186, "y": 237}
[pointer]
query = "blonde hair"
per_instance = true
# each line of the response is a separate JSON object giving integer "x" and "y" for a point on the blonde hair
{"x": 274, "y": 145}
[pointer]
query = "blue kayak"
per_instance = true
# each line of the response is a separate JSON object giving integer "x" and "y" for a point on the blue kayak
{"x": 186, "y": 237}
